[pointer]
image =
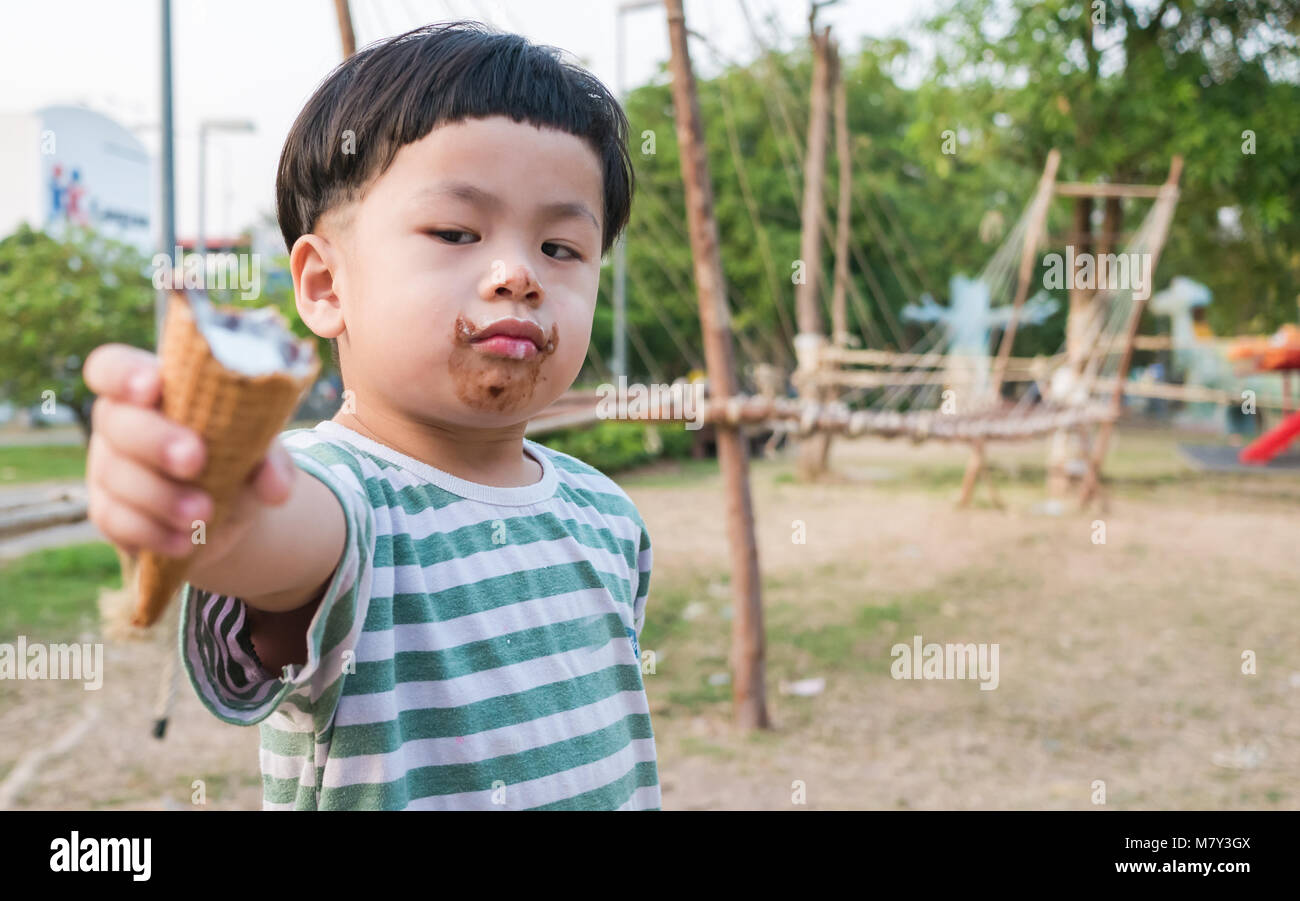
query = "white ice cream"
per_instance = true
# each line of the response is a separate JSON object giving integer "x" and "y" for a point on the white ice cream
{"x": 256, "y": 342}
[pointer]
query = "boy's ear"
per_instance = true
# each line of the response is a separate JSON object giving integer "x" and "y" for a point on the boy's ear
{"x": 317, "y": 268}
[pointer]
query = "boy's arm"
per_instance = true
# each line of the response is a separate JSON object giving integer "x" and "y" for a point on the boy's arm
{"x": 277, "y": 616}
{"x": 285, "y": 557}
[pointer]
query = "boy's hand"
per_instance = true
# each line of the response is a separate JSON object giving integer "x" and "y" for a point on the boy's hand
{"x": 141, "y": 465}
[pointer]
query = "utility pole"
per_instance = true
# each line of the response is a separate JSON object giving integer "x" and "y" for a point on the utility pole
{"x": 813, "y": 450}
{"x": 748, "y": 694}
{"x": 129, "y": 564}
{"x": 168, "y": 186}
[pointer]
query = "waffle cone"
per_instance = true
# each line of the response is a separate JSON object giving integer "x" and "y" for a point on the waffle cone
{"x": 236, "y": 415}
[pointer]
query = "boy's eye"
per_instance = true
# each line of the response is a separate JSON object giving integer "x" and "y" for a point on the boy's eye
{"x": 572, "y": 254}
{"x": 451, "y": 235}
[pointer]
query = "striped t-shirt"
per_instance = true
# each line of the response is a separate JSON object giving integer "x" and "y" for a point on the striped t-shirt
{"x": 476, "y": 647}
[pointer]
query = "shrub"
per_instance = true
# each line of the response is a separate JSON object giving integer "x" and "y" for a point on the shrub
{"x": 615, "y": 446}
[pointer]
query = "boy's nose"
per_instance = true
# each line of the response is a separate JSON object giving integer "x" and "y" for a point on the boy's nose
{"x": 517, "y": 282}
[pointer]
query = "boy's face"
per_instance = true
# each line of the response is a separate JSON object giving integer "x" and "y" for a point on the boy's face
{"x": 478, "y": 222}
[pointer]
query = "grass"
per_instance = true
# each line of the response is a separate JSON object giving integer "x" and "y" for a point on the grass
{"x": 41, "y": 462}
{"x": 53, "y": 593}
{"x": 847, "y": 639}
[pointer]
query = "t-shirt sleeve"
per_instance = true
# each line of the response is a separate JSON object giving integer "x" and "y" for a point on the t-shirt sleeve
{"x": 643, "y": 562}
{"x": 215, "y": 634}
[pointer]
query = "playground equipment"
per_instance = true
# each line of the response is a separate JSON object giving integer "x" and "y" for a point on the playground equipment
{"x": 1217, "y": 373}
{"x": 949, "y": 387}
{"x": 1279, "y": 354}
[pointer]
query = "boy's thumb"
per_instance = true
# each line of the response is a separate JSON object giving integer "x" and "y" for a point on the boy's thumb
{"x": 274, "y": 478}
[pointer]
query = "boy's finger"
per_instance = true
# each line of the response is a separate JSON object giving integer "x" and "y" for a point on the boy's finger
{"x": 123, "y": 373}
{"x": 174, "y": 504}
{"x": 133, "y": 529}
{"x": 149, "y": 438}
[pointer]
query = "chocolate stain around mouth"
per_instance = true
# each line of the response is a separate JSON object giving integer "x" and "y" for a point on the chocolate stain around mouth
{"x": 494, "y": 384}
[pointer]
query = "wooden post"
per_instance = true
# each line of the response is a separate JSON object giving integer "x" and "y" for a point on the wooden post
{"x": 346, "y": 34}
{"x": 748, "y": 692}
{"x": 1164, "y": 214}
{"x": 839, "y": 316}
{"x": 813, "y": 450}
{"x": 974, "y": 465}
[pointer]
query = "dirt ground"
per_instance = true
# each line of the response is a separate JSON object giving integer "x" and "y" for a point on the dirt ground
{"x": 1120, "y": 660}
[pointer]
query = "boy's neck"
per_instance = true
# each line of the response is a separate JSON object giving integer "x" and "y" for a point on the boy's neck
{"x": 492, "y": 456}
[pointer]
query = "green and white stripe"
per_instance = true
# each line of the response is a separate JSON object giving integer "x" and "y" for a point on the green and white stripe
{"x": 476, "y": 648}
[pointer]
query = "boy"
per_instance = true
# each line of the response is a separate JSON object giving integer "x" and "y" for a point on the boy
{"x": 452, "y": 610}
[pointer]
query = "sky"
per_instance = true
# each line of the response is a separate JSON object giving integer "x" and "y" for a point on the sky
{"x": 260, "y": 60}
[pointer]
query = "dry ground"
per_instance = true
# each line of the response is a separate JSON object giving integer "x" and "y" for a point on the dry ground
{"x": 1119, "y": 662}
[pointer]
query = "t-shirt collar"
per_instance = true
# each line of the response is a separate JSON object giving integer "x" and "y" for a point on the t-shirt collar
{"x": 489, "y": 494}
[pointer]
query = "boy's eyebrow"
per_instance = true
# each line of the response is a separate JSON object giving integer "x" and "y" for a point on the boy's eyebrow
{"x": 462, "y": 190}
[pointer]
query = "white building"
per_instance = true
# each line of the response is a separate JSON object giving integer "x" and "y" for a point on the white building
{"x": 67, "y": 164}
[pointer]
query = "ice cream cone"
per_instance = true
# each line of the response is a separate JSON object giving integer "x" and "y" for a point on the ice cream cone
{"x": 236, "y": 415}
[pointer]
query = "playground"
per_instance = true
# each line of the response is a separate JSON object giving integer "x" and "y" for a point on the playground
{"x": 1119, "y": 662}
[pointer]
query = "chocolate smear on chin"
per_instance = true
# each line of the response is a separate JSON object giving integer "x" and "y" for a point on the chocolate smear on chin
{"x": 494, "y": 384}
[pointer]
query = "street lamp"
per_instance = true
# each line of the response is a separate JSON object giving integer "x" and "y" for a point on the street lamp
{"x": 205, "y": 126}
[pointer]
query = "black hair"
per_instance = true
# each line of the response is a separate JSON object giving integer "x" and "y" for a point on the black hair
{"x": 395, "y": 92}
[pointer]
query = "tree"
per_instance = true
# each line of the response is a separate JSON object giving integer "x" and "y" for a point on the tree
{"x": 62, "y": 299}
{"x": 1120, "y": 87}
{"x": 1011, "y": 79}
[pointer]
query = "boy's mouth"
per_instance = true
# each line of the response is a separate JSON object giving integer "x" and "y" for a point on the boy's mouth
{"x": 509, "y": 337}
{"x": 495, "y": 368}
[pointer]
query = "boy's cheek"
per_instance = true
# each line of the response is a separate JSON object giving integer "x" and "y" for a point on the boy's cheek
{"x": 577, "y": 343}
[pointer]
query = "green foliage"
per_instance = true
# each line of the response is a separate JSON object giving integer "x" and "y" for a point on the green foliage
{"x": 1011, "y": 79}
{"x": 62, "y": 299}
{"x": 1120, "y": 89}
{"x": 616, "y": 446}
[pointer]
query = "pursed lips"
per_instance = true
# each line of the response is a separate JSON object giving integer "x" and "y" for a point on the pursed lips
{"x": 510, "y": 337}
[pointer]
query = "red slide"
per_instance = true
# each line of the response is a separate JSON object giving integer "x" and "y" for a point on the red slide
{"x": 1270, "y": 444}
